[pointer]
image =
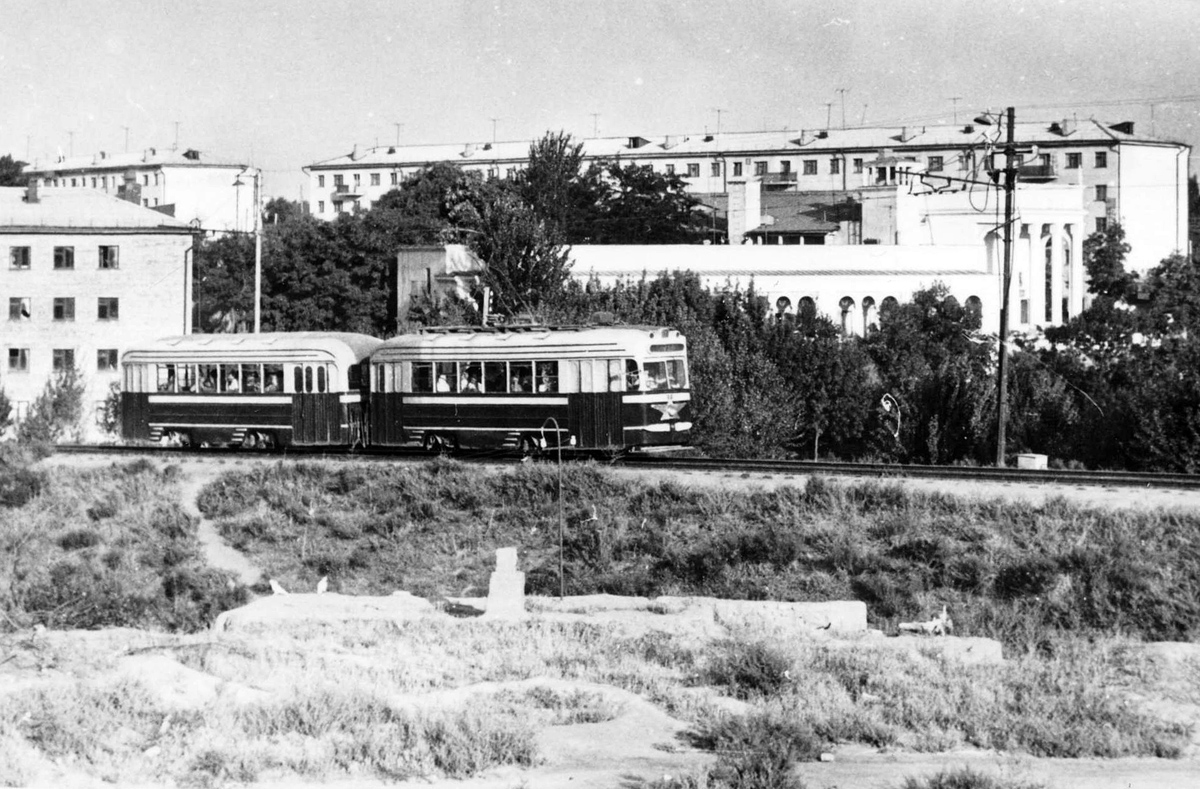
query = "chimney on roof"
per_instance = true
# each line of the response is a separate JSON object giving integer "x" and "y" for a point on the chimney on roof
{"x": 469, "y": 149}
{"x": 192, "y": 154}
{"x": 1124, "y": 127}
{"x": 31, "y": 190}
{"x": 969, "y": 129}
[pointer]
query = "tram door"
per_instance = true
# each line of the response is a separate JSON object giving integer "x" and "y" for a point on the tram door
{"x": 316, "y": 411}
{"x": 387, "y": 423}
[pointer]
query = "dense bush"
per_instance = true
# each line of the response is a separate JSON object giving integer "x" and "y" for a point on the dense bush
{"x": 1014, "y": 571}
{"x": 104, "y": 548}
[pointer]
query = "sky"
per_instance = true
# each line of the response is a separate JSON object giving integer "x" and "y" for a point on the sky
{"x": 285, "y": 84}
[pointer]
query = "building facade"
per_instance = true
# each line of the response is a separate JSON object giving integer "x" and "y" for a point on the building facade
{"x": 939, "y": 238}
{"x": 213, "y": 196}
{"x": 84, "y": 276}
{"x": 1127, "y": 177}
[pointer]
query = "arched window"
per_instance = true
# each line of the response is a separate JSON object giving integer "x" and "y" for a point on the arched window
{"x": 807, "y": 309}
{"x": 847, "y": 306}
{"x": 870, "y": 314}
{"x": 975, "y": 310}
{"x": 783, "y": 304}
{"x": 888, "y": 304}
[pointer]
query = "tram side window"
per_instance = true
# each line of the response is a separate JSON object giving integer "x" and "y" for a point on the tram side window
{"x": 231, "y": 380}
{"x": 616, "y": 376}
{"x": 520, "y": 376}
{"x": 185, "y": 376}
{"x": 297, "y": 379}
{"x": 568, "y": 380}
{"x": 495, "y": 377}
{"x": 547, "y": 376}
{"x": 633, "y": 375}
{"x": 165, "y": 377}
{"x": 308, "y": 379}
{"x": 422, "y": 377}
{"x": 321, "y": 378}
{"x": 208, "y": 377}
{"x": 447, "y": 377}
{"x": 469, "y": 377}
{"x": 251, "y": 380}
{"x": 273, "y": 375}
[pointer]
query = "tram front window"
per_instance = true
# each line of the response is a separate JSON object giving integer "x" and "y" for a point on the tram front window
{"x": 667, "y": 374}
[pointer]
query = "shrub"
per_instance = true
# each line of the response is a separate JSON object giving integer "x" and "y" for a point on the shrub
{"x": 748, "y": 670}
{"x": 758, "y": 751}
{"x": 56, "y": 412}
{"x": 966, "y": 778}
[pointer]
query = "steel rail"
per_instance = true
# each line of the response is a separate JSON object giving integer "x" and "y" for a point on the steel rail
{"x": 881, "y": 471}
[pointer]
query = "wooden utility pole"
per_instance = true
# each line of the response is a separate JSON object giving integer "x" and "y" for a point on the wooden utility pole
{"x": 1010, "y": 181}
{"x": 257, "y": 251}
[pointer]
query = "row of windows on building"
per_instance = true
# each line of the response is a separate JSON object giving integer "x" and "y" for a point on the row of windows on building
{"x": 934, "y": 163}
{"x": 20, "y": 308}
{"x": 97, "y": 181}
{"x": 63, "y": 359}
{"x": 21, "y": 258}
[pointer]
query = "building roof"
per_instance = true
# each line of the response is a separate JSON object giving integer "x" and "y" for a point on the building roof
{"x": 872, "y": 139}
{"x": 150, "y": 157}
{"x": 78, "y": 210}
{"x": 794, "y": 212}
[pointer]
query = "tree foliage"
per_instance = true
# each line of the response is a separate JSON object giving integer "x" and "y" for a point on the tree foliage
{"x": 12, "y": 171}
{"x": 57, "y": 411}
{"x": 1104, "y": 255}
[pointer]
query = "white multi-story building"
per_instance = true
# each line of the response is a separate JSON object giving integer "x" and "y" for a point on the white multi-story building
{"x": 1129, "y": 177}
{"x": 210, "y": 195}
{"x": 84, "y": 276}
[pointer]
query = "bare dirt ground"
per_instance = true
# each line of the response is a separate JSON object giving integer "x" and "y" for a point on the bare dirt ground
{"x": 642, "y": 746}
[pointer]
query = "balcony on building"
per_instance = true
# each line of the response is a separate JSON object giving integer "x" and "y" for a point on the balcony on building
{"x": 1039, "y": 172}
{"x": 344, "y": 192}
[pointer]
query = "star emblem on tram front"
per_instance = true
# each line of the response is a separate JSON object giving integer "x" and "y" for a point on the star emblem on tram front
{"x": 669, "y": 409}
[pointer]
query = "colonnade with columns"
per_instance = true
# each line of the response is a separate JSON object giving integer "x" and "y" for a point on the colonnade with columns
{"x": 1048, "y": 282}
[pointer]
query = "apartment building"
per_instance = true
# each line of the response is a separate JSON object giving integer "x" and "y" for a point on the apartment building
{"x": 209, "y": 194}
{"x": 1127, "y": 177}
{"x": 84, "y": 276}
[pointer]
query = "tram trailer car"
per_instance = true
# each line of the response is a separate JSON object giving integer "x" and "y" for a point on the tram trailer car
{"x": 268, "y": 389}
{"x": 591, "y": 388}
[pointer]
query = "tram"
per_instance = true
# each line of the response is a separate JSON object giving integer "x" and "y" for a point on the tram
{"x": 269, "y": 389}
{"x": 529, "y": 388}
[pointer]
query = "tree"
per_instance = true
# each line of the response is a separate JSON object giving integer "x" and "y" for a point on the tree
{"x": 939, "y": 373}
{"x": 641, "y": 206}
{"x": 559, "y": 189}
{"x": 1104, "y": 258}
{"x": 280, "y": 210}
{"x": 5, "y": 412}
{"x": 12, "y": 171}
{"x": 526, "y": 264}
{"x": 56, "y": 412}
{"x": 830, "y": 381}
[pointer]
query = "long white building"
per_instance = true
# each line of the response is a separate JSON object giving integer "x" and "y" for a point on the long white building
{"x": 1127, "y": 177}
{"x": 187, "y": 185}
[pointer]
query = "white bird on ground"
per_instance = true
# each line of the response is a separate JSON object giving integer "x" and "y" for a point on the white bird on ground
{"x": 323, "y": 584}
{"x": 276, "y": 588}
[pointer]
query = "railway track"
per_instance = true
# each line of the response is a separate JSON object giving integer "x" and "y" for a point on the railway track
{"x": 880, "y": 471}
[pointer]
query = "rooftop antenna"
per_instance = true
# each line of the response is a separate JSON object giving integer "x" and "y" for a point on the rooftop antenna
{"x": 398, "y": 126}
{"x": 863, "y": 122}
{"x": 718, "y": 111}
{"x": 954, "y": 111}
{"x": 595, "y": 125}
{"x": 828, "y": 112}
{"x": 126, "y": 128}
{"x": 494, "y": 130}
{"x": 843, "y": 91}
